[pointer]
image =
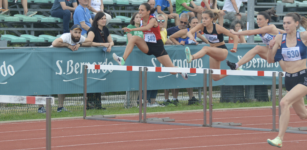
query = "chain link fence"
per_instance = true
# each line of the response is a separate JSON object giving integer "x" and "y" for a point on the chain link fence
{"x": 220, "y": 94}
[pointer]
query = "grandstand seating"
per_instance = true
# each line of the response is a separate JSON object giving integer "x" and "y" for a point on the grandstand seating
{"x": 16, "y": 25}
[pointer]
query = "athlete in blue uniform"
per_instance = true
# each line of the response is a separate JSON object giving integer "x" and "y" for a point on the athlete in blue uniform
{"x": 182, "y": 37}
{"x": 292, "y": 45}
{"x": 214, "y": 33}
{"x": 267, "y": 33}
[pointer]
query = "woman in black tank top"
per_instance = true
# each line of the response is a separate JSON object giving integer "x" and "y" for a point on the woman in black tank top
{"x": 215, "y": 35}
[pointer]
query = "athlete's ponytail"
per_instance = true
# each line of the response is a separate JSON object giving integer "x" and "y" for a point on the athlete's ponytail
{"x": 214, "y": 15}
{"x": 303, "y": 22}
{"x": 147, "y": 6}
{"x": 296, "y": 17}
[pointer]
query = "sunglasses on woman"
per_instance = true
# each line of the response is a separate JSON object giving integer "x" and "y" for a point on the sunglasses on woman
{"x": 161, "y": 21}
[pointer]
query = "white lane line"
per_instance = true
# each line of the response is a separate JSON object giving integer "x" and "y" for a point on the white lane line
{"x": 235, "y": 117}
{"x": 256, "y": 143}
{"x": 143, "y": 140}
{"x": 82, "y": 135}
{"x": 69, "y": 127}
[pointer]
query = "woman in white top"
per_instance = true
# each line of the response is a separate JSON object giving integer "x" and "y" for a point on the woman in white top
{"x": 96, "y": 6}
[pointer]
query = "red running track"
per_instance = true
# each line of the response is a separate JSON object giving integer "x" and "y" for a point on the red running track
{"x": 78, "y": 134}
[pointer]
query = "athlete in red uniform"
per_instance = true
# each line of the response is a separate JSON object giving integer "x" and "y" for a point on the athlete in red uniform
{"x": 151, "y": 44}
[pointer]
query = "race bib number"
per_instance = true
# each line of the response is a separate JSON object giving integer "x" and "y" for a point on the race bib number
{"x": 150, "y": 37}
{"x": 212, "y": 38}
{"x": 291, "y": 54}
{"x": 267, "y": 38}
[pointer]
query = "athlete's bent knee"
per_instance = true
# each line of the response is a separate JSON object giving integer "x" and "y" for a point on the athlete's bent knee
{"x": 284, "y": 104}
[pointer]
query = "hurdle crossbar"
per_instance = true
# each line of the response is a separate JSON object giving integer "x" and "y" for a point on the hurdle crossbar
{"x": 197, "y": 71}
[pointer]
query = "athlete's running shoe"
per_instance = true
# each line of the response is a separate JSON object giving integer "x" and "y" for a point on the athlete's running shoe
{"x": 188, "y": 54}
{"x": 231, "y": 65}
{"x": 119, "y": 60}
{"x": 276, "y": 142}
{"x": 184, "y": 75}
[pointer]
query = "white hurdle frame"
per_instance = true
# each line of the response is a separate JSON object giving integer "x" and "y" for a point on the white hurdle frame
{"x": 36, "y": 101}
{"x": 205, "y": 72}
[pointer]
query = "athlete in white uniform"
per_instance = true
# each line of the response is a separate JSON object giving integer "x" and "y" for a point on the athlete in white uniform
{"x": 267, "y": 33}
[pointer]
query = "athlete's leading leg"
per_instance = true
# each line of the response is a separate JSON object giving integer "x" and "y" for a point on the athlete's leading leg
{"x": 218, "y": 54}
{"x": 260, "y": 50}
{"x": 135, "y": 40}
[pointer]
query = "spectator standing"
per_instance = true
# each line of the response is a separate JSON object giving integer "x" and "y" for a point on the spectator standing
{"x": 96, "y": 6}
{"x": 184, "y": 6}
{"x": 73, "y": 41}
{"x": 82, "y": 16}
{"x": 99, "y": 36}
{"x": 231, "y": 11}
{"x": 63, "y": 9}
{"x": 161, "y": 5}
{"x": 237, "y": 26}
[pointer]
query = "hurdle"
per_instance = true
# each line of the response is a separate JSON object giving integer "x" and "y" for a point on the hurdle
{"x": 206, "y": 72}
{"x": 36, "y": 100}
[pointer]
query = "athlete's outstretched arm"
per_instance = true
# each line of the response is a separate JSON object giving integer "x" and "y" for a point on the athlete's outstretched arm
{"x": 152, "y": 23}
{"x": 193, "y": 30}
{"x": 221, "y": 29}
{"x": 272, "y": 52}
{"x": 263, "y": 30}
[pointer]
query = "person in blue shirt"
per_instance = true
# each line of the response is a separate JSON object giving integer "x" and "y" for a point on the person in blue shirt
{"x": 161, "y": 5}
{"x": 182, "y": 37}
{"x": 183, "y": 25}
{"x": 63, "y": 9}
{"x": 82, "y": 16}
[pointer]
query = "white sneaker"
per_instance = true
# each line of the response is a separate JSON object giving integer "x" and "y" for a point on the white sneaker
{"x": 119, "y": 60}
{"x": 184, "y": 75}
{"x": 275, "y": 142}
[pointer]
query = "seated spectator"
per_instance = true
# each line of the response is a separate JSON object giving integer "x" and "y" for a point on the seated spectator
{"x": 96, "y": 6}
{"x": 183, "y": 6}
{"x": 237, "y": 26}
{"x": 3, "y": 6}
{"x": 161, "y": 5}
{"x": 184, "y": 18}
{"x": 63, "y": 9}
{"x": 212, "y": 5}
{"x": 99, "y": 34}
{"x": 134, "y": 23}
{"x": 162, "y": 23}
{"x": 82, "y": 16}
{"x": 182, "y": 37}
{"x": 231, "y": 11}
